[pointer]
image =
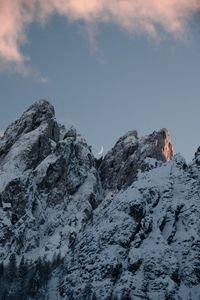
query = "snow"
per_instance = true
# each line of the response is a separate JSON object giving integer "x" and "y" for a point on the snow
{"x": 140, "y": 240}
{"x": 6, "y": 205}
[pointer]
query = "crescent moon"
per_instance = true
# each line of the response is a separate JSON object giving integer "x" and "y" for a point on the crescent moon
{"x": 101, "y": 151}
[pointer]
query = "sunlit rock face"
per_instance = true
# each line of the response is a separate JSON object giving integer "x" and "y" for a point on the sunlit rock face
{"x": 122, "y": 163}
{"x": 165, "y": 144}
{"x": 72, "y": 227}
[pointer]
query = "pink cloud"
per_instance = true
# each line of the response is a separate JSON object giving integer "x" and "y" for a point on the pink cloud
{"x": 15, "y": 15}
{"x": 136, "y": 16}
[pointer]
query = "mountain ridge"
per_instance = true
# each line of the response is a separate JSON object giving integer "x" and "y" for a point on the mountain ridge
{"x": 126, "y": 226}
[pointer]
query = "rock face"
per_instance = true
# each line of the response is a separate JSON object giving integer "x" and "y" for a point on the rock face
{"x": 41, "y": 173}
{"x": 121, "y": 164}
{"x": 71, "y": 227}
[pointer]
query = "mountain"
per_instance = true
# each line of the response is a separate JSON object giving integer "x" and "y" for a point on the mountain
{"x": 126, "y": 226}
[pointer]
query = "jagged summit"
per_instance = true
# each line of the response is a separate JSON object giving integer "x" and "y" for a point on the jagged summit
{"x": 40, "y": 112}
{"x": 125, "y": 227}
{"x": 121, "y": 164}
{"x": 161, "y": 147}
{"x": 43, "y": 112}
{"x": 41, "y": 107}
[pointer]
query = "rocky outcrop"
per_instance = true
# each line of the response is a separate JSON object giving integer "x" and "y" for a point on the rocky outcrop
{"x": 41, "y": 112}
{"x": 72, "y": 227}
{"x": 122, "y": 163}
{"x": 47, "y": 178}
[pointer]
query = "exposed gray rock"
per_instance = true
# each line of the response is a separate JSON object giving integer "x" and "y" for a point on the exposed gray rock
{"x": 41, "y": 178}
{"x": 38, "y": 113}
{"x": 72, "y": 227}
{"x": 122, "y": 163}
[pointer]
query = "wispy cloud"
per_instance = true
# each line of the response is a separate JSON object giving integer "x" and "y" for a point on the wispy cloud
{"x": 135, "y": 16}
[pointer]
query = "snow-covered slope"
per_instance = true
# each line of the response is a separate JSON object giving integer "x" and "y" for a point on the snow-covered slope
{"x": 73, "y": 227}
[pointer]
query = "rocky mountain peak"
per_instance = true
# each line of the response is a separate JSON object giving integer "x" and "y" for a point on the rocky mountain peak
{"x": 39, "y": 113}
{"x": 42, "y": 108}
{"x": 121, "y": 164}
{"x": 163, "y": 149}
{"x": 124, "y": 227}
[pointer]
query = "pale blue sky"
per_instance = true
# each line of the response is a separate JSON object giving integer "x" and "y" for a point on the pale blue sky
{"x": 129, "y": 83}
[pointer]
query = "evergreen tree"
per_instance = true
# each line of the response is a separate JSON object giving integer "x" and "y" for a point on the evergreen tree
{"x": 1, "y": 269}
{"x": 34, "y": 283}
{"x": 57, "y": 260}
{"x": 46, "y": 271}
{"x": 11, "y": 270}
{"x": 23, "y": 269}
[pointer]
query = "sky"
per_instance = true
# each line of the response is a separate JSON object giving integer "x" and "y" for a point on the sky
{"x": 107, "y": 66}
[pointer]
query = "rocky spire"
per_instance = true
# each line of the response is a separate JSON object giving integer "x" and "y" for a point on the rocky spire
{"x": 163, "y": 148}
{"x": 40, "y": 112}
{"x": 121, "y": 164}
{"x": 140, "y": 242}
